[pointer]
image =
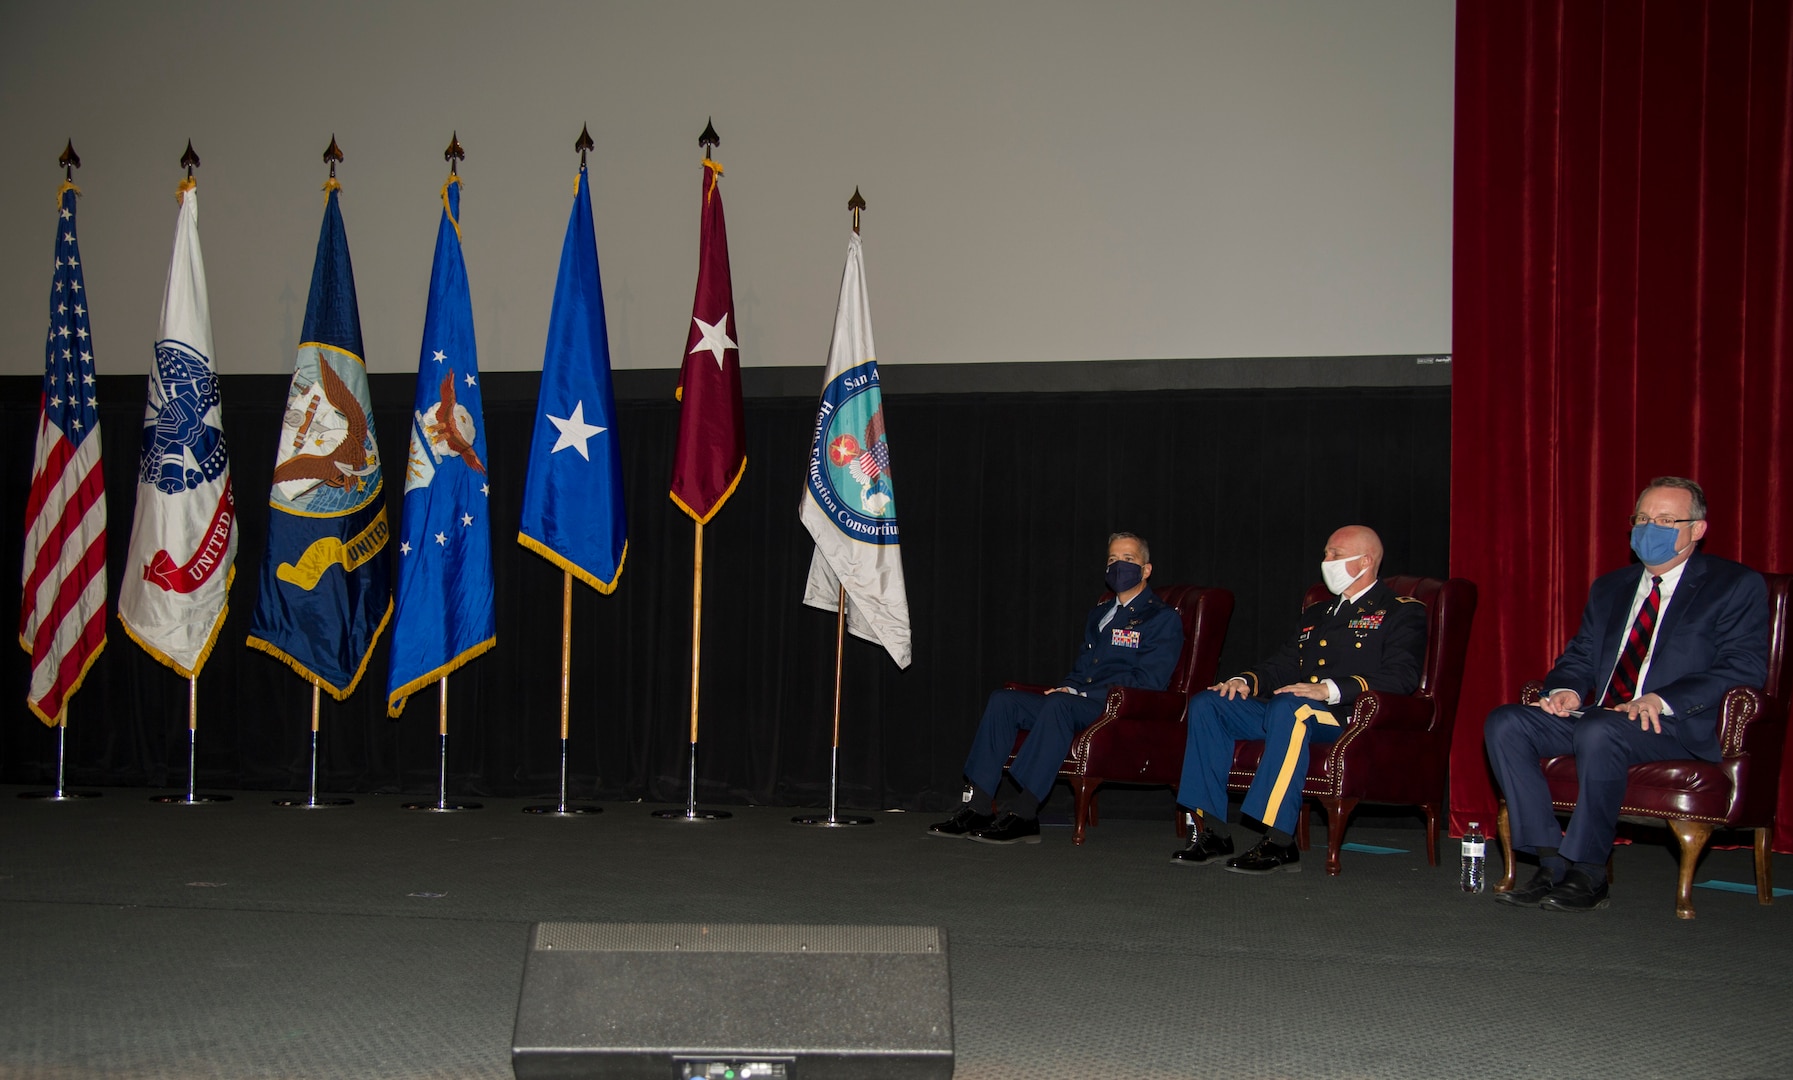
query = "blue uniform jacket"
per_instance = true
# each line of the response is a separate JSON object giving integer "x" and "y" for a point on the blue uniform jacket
{"x": 1139, "y": 647}
{"x": 1376, "y": 643}
{"x": 1713, "y": 637}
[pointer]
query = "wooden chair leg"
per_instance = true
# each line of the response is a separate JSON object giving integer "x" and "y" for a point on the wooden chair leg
{"x": 1505, "y": 829}
{"x": 1337, "y": 810}
{"x": 1764, "y": 868}
{"x": 1085, "y": 790}
{"x": 1693, "y": 836}
{"x": 1431, "y": 813}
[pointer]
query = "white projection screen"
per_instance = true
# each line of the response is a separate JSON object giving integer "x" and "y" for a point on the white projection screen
{"x": 1047, "y": 181}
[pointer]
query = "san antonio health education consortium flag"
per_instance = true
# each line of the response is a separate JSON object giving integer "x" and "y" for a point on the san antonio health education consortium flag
{"x": 326, "y": 582}
{"x": 849, "y": 505}
{"x": 62, "y": 623}
{"x": 443, "y": 614}
{"x": 573, "y": 512}
{"x": 183, "y": 535}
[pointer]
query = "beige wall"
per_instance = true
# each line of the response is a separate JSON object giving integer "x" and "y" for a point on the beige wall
{"x": 1047, "y": 180}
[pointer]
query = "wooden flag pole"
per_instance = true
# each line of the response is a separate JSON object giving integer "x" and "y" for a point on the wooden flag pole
{"x": 190, "y": 798}
{"x": 691, "y": 812}
{"x": 441, "y": 805}
{"x": 561, "y": 809}
{"x": 834, "y": 820}
{"x": 312, "y": 802}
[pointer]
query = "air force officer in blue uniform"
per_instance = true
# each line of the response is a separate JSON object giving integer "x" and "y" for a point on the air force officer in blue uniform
{"x": 1132, "y": 640}
{"x": 1642, "y": 680}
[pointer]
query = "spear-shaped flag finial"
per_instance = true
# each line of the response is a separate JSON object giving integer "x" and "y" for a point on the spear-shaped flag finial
{"x": 189, "y": 159}
{"x": 584, "y": 143}
{"x": 70, "y": 161}
{"x": 856, "y": 204}
{"x": 709, "y": 138}
{"x": 454, "y": 153}
{"x": 332, "y": 155}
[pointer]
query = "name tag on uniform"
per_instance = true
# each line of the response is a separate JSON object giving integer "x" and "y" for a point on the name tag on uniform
{"x": 1126, "y": 639}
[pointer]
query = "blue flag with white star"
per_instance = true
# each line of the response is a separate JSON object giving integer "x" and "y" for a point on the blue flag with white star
{"x": 573, "y": 499}
{"x": 443, "y": 614}
{"x": 326, "y": 582}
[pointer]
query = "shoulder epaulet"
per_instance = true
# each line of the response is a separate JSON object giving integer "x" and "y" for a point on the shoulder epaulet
{"x": 1410, "y": 600}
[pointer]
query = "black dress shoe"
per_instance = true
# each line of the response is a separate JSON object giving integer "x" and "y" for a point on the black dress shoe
{"x": 1577, "y": 892}
{"x": 961, "y": 823}
{"x": 1532, "y": 892}
{"x": 1008, "y": 829}
{"x": 1205, "y": 850}
{"x": 1267, "y": 858}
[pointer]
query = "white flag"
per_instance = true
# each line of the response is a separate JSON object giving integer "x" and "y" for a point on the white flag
{"x": 849, "y": 501}
{"x": 183, "y": 534}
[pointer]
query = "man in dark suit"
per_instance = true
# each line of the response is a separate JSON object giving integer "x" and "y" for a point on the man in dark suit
{"x": 1133, "y": 640}
{"x": 1369, "y": 638}
{"x": 1642, "y": 680}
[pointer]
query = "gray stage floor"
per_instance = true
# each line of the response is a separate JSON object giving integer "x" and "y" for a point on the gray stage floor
{"x": 245, "y": 941}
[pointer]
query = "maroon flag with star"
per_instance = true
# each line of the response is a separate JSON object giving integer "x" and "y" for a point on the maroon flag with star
{"x": 712, "y": 450}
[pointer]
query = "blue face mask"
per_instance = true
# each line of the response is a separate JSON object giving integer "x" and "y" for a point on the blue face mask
{"x": 1655, "y": 544}
{"x": 1122, "y": 576}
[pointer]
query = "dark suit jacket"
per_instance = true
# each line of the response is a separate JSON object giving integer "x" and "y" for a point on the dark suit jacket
{"x": 1714, "y": 637}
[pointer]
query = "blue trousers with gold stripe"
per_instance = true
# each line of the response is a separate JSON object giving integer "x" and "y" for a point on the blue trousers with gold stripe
{"x": 1286, "y": 723}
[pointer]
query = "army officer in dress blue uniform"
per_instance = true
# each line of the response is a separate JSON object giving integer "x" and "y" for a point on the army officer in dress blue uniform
{"x": 1133, "y": 640}
{"x": 1367, "y": 639}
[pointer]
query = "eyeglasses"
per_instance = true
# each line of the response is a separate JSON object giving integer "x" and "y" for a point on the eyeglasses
{"x": 1663, "y": 520}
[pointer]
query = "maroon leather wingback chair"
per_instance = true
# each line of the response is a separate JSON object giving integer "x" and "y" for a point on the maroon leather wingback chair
{"x": 1396, "y": 747}
{"x": 1138, "y": 739}
{"x": 1695, "y": 797}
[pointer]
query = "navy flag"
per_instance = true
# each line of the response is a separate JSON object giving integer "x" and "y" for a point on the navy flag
{"x": 444, "y": 606}
{"x": 326, "y": 582}
{"x": 573, "y": 513}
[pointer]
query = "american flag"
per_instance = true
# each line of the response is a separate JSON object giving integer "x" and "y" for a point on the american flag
{"x": 63, "y": 621}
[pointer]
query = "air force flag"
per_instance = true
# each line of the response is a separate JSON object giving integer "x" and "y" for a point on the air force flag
{"x": 849, "y": 502}
{"x": 573, "y": 511}
{"x": 443, "y": 614}
{"x": 183, "y": 534}
{"x": 326, "y": 581}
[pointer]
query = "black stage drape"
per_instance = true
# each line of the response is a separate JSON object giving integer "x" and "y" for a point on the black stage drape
{"x": 1005, "y": 503}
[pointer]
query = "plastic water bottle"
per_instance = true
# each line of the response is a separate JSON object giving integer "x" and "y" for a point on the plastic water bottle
{"x": 1474, "y": 843}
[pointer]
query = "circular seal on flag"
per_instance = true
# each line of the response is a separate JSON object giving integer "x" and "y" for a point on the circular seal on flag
{"x": 328, "y": 463}
{"x": 849, "y": 458}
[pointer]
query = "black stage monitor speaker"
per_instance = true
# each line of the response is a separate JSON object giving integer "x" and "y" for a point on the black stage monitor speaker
{"x": 672, "y": 1001}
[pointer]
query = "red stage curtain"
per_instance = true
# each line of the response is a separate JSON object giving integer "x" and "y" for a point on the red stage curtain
{"x": 1621, "y": 300}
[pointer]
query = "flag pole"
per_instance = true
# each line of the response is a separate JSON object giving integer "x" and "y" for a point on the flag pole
{"x": 705, "y": 141}
{"x": 70, "y": 161}
{"x": 584, "y": 145}
{"x": 190, "y": 798}
{"x": 566, "y": 675}
{"x": 691, "y": 812}
{"x": 441, "y": 805}
{"x": 61, "y": 794}
{"x": 833, "y": 820}
{"x": 312, "y": 802}
{"x": 189, "y": 160}
{"x": 332, "y": 155}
